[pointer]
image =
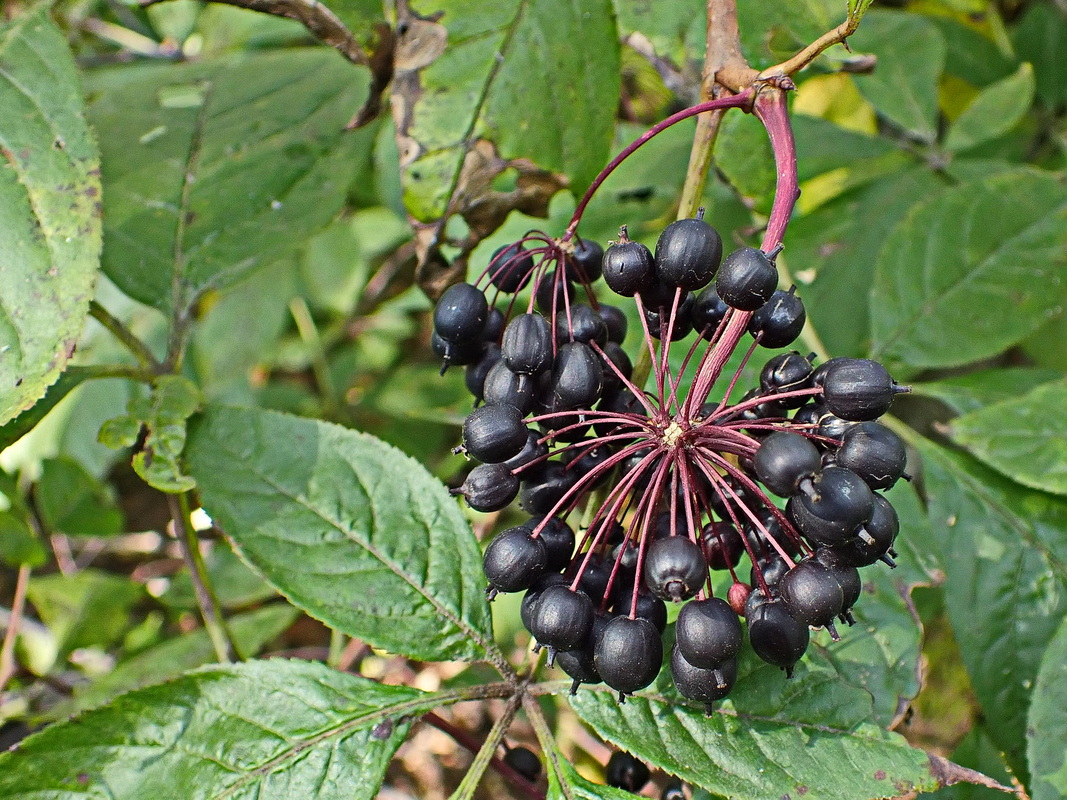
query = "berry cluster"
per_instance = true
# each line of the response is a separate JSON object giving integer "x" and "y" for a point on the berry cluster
{"x": 663, "y": 485}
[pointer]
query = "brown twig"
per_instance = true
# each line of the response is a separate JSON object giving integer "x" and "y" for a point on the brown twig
{"x": 317, "y": 18}
{"x": 7, "y": 650}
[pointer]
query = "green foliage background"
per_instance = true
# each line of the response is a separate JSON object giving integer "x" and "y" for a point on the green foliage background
{"x": 268, "y": 264}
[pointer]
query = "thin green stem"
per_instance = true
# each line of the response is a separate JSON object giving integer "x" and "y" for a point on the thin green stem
{"x": 544, "y": 734}
{"x": 95, "y": 371}
{"x": 487, "y": 751}
{"x": 337, "y": 648}
{"x": 119, "y": 330}
{"x": 309, "y": 334}
{"x": 206, "y": 600}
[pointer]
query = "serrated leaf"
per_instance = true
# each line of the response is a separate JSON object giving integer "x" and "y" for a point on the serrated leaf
{"x": 348, "y": 528}
{"x": 1006, "y": 554}
{"x": 461, "y": 82}
{"x": 976, "y": 390}
{"x": 911, "y": 55}
{"x": 49, "y": 209}
{"x": 772, "y": 738}
{"x": 270, "y": 730}
{"x": 166, "y": 661}
{"x": 219, "y": 167}
{"x": 564, "y": 783}
{"x": 966, "y": 274}
{"x": 25, "y": 422}
{"x": 838, "y": 242}
{"x": 994, "y": 111}
{"x": 72, "y": 501}
{"x": 1046, "y": 731}
{"x": 1025, "y": 437}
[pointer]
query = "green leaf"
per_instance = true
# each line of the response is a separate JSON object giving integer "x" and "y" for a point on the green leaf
{"x": 1005, "y": 551}
{"x": 18, "y": 544}
{"x": 994, "y": 111}
{"x": 911, "y": 55}
{"x": 823, "y": 146}
{"x": 771, "y": 32}
{"x": 834, "y": 249}
{"x": 236, "y": 586}
{"x": 219, "y": 167}
{"x": 166, "y": 661}
{"x": 88, "y": 609}
{"x": 360, "y": 17}
{"x": 1025, "y": 437}
{"x": 271, "y": 730}
{"x": 349, "y": 529}
{"x": 743, "y": 153}
{"x": 774, "y": 737}
{"x": 564, "y": 783}
{"x": 72, "y": 501}
{"x": 461, "y": 84}
{"x": 1041, "y": 39}
{"x": 971, "y": 272}
{"x": 857, "y": 8}
{"x": 964, "y": 393}
{"x": 1046, "y": 731}
{"x": 49, "y": 209}
{"x": 972, "y": 56}
{"x": 675, "y": 31}
{"x": 28, "y": 419}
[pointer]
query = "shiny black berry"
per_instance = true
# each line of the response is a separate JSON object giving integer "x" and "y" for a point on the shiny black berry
{"x": 628, "y": 654}
{"x": 873, "y": 452}
{"x": 628, "y": 266}
{"x": 562, "y": 619}
{"x": 703, "y": 684}
{"x": 510, "y": 268}
{"x": 524, "y": 761}
{"x": 675, "y": 568}
{"x": 580, "y": 323}
{"x": 460, "y": 315}
{"x": 832, "y": 506}
{"x": 779, "y": 321}
{"x": 494, "y": 433}
{"x": 688, "y": 253}
{"x": 526, "y": 347}
{"x": 514, "y": 561}
{"x": 577, "y": 376}
{"x": 626, "y": 772}
{"x": 503, "y": 387}
{"x": 708, "y": 312}
{"x": 776, "y": 636}
{"x": 746, "y": 279}
{"x": 858, "y": 389}
{"x": 708, "y": 632}
{"x": 783, "y": 460}
{"x": 723, "y": 546}
{"x": 616, "y": 321}
{"x": 586, "y": 264}
{"x": 489, "y": 487}
{"x": 811, "y": 593}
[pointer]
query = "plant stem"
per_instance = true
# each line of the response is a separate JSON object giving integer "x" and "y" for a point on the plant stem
{"x": 309, "y": 334}
{"x": 543, "y": 733}
{"x": 94, "y": 371}
{"x": 733, "y": 101}
{"x": 772, "y": 109}
{"x": 7, "y": 650}
{"x": 119, "y": 330}
{"x": 337, "y": 648}
{"x": 486, "y": 753}
{"x": 812, "y": 51}
{"x": 210, "y": 610}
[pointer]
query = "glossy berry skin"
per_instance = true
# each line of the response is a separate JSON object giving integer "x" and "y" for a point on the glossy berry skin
{"x": 675, "y": 568}
{"x": 787, "y": 372}
{"x": 723, "y": 546}
{"x": 623, "y": 771}
{"x": 579, "y": 663}
{"x": 524, "y": 761}
{"x": 708, "y": 312}
{"x": 882, "y": 528}
{"x": 682, "y": 325}
{"x": 490, "y": 487}
{"x": 873, "y": 452}
{"x": 456, "y": 354}
{"x": 811, "y": 593}
{"x": 783, "y": 460}
{"x": 616, "y": 321}
{"x": 558, "y": 538}
{"x": 708, "y": 632}
{"x": 613, "y": 358}
{"x": 858, "y": 389}
{"x": 628, "y": 654}
{"x": 703, "y": 684}
{"x": 586, "y": 264}
{"x": 628, "y": 268}
{"x": 553, "y": 293}
{"x": 838, "y": 503}
{"x": 494, "y": 433}
{"x": 581, "y": 324}
{"x": 533, "y": 449}
{"x": 746, "y": 279}
{"x": 562, "y": 619}
{"x": 460, "y": 315}
{"x": 577, "y": 376}
{"x": 543, "y": 485}
{"x": 779, "y": 321}
{"x": 526, "y": 347}
{"x": 475, "y": 374}
{"x": 688, "y": 254}
{"x": 514, "y": 561}
{"x": 510, "y": 268}
{"x": 533, "y": 594}
{"x": 503, "y": 387}
{"x": 776, "y": 636}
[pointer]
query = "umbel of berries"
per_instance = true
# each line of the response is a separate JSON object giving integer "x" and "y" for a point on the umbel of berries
{"x": 633, "y": 493}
